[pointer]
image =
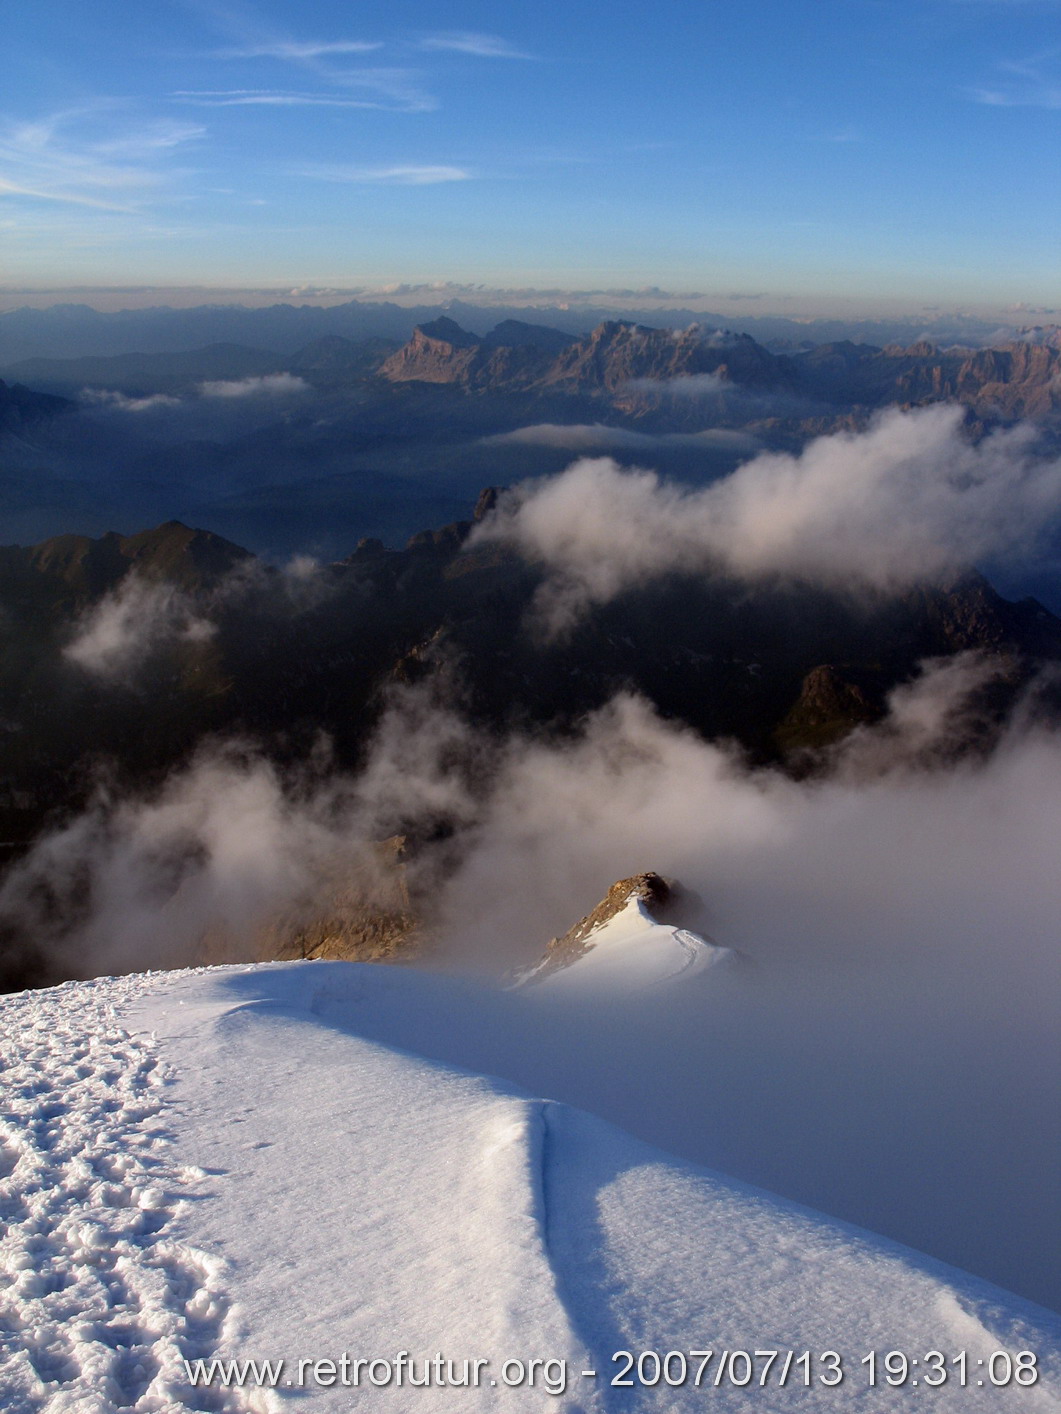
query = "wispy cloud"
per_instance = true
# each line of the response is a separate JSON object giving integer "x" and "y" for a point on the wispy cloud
{"x": 389, "y": 89}
{"x": 13, "y": 189}
{"x": 122, "y": 160}
{"x": 1040, "y": 97}
{"x": 295, "y": 50}
{"x": 400, "y": 176}
{"x": 484, "y": 46}
{"x": 1026, "y": 83}
{"x": 146, "y": 141}
{"x": 321, "y": 59}
{"x": 267, "y": 98}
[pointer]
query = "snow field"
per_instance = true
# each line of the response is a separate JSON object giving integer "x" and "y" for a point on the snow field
{"x": 222, "y": 1163}
{"x": 99, "y": 1305}
{"x": 630, "y": 952}
{"x": 375, "y": 1200}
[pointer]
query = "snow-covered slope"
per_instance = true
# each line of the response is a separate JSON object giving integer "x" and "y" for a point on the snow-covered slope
{"x": 629, "y": 951}
{"x": 239, "y": 1163}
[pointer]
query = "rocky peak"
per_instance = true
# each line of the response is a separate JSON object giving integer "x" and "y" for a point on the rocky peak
{"x": 487, "y": 502}
{"x": 655, "y": 894}
{"x": 173, "y": 552}
{"x": 447, "y": 331}
{"x": 514, "y": 355}
{"x": 438, "y": 352}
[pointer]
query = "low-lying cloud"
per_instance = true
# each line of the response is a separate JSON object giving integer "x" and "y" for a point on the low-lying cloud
{"x": 596, "y": 436}
{"x": 112, "y": 400}
{"x": 271, "y": 385}
{"x": 685, "y": 385}
{"x": 908, "y": 499}
{"x": 231, "y": 843}
{"x": 894, "y": 994}
{"x": 117, "y": 638}
{"x": 120, "y": 632}
{"x": 265, "y": 387}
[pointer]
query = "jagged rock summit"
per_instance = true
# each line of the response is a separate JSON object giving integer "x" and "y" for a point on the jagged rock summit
{"x": 514, "y": 355}
{"x": 629, "y": 941}
{"x": 534, "y": 358}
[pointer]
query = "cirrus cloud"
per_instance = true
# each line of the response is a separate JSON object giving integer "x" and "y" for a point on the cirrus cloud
{"x": 402, "y": 175}
{"x": 483, "y": 46}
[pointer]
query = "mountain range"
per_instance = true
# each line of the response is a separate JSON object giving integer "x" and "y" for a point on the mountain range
{"x": 73, "y": 330}
{"x": 636, "y": 369}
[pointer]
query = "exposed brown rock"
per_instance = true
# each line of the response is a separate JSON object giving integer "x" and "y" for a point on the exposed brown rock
{"x": 359, "y": 914}
{"x": 440, "y": 352}
{"x": 525, "y": 357}
{"x": 652, "y": 889}
{"x": 618, "y": 354}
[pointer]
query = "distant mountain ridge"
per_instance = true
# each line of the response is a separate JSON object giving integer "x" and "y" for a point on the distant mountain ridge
{"x": 513, "y": 355}
{"x": 327, "y": 360}
{"x": 1016, "y": 379}
{"x": 605, "y": 361}
{"x": 68, "y": 330}
{"x": 635, "y": 367}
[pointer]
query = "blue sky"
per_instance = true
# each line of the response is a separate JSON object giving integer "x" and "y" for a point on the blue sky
{"x": 805, "y": 151}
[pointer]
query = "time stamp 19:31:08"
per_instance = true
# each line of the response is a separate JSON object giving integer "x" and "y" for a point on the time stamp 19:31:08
{"x": 783, "y": 1367}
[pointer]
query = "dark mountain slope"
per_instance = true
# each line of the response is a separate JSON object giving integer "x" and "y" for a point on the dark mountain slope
{"x": 776, "y": 667}
{"x": 73, "y": 571}
{"x": 21, "y": 408}
{"x": 139, "y": 373}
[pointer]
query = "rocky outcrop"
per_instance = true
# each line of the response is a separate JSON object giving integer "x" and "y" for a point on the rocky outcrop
{"x": 656, "y": 895}
{"x": 828, "y": 707}
{"x": 439, "y": 352}
{"x": 361, "y": 910}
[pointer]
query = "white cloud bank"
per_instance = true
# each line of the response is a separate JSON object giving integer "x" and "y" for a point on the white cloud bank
{"x": 908, "y": 499}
